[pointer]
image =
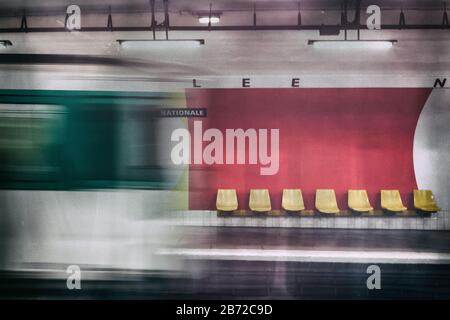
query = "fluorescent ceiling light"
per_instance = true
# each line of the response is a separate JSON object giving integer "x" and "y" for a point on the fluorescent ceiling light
{"x": 160, "y": 44}
{"x": 5, "y": 43}
{"x": 352, "y": 44}
{"x": 205, "y": 19}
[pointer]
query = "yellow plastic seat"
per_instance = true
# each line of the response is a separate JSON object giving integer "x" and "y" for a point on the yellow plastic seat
{"x": 326, "y": 201}
{"x": 226, "y": 200}
{"x": 424, "y": 200}
{"x": 392, "y": 201}
{"x": 292, "y": 200}
{"x": 358, "y": 200}
{"x": 259, "y": 200}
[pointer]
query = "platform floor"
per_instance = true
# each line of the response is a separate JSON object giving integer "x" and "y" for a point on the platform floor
{"x": 314, "y": 239}
{"x": 240, "y": 277}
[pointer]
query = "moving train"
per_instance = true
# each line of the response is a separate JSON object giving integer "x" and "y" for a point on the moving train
{"x": 60, "y": 139}
{"x": 85, "y": 178}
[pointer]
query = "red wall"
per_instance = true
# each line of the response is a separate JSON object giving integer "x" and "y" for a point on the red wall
{"x": 329, "y": 138}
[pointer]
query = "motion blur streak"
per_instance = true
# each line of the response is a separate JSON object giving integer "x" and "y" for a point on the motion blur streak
{"x": 85, "y": 181}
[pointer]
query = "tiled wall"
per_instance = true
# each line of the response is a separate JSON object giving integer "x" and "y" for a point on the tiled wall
{"x": 437, "y": 221}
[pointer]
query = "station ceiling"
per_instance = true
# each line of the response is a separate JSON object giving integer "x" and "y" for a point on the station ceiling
{"x": 51, "y": 7}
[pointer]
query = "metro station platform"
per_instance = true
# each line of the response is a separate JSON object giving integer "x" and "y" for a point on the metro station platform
{"x": 264, "y": 263}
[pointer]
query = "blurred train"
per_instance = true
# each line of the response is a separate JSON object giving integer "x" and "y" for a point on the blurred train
{"x": 86, "y": 179}
{"x": 63, "y": 140}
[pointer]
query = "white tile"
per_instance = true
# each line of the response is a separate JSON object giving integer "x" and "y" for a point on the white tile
{"x": 378, "y": 223}
{"x": 351, "y": 223}
{"x": 365, "y": 223}
{"x": 213, "y": 220}
{"x": 427, "y": 224}
{"x": 337, "y": 223}
{"x": 247, "y": 221}
{"x": 412, "y": 223}
{"x": 384, "y": 223}
{"x": 261, "y": 222}
{"x": 405, "y": 223}
{"x": 371, "y": 223}
{"x": 276, "y": 222}
{"x": 341, "y": 222}
{"x": 235, "y": 221}
{"x": 390, "y": 223}
{"x": 398, "y": 223}
{"x": 206, "y": 218}
{"x": 434, "y": 224}
{"x": 440, "y": 224}
{"x": 419, "y": 223}
{"x": 446, "y": 221}
{"x": 316, "y": 222}
{"x": 331, "y": 222}
{"x": 307, "y": 222}
{"x": 294, "y": 222}
{"x": 221, "y": 221}
{"x": 284, "y": 223}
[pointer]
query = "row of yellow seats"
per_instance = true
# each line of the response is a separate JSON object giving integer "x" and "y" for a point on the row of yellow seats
{"x": 358, "y": 200}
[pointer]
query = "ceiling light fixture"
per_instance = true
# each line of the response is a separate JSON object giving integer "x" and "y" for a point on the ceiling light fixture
{"x": 352, "y": 44}
{"x": 160, "y": 44}
{"x": 207, "y": 19}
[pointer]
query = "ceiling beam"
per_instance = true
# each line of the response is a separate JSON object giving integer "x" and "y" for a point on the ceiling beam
{"x": 225, "y": 28}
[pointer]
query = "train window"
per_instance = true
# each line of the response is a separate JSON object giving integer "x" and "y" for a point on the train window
{"x": 138, "y": 140}
{"x": 92, "y": 136}
{"x": 30, "y": 142}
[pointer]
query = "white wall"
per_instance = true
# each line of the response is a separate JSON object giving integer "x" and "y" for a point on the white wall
{"x": 432, "y": 147}
{"x": 415, "y": 60}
